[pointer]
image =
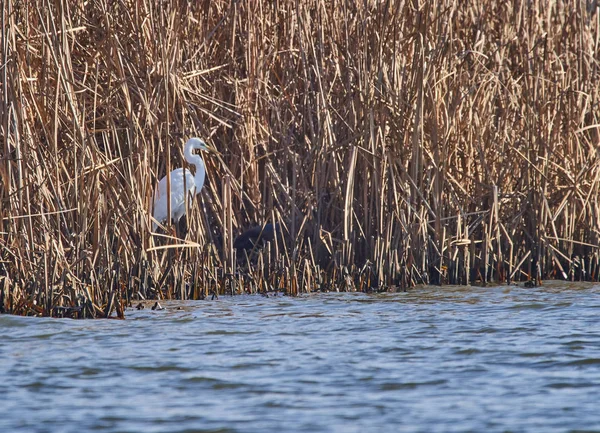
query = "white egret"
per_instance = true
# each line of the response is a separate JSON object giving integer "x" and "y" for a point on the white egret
{"x": 182, "y": 183}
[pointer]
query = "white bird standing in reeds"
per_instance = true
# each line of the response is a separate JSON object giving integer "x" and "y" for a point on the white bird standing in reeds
{"x": 182, "y": 183}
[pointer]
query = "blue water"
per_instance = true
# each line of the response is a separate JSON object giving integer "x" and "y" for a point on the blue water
{"x": 451, "y": 359}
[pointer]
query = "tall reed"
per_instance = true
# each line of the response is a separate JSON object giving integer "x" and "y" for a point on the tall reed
{"x": 397, "y": 142}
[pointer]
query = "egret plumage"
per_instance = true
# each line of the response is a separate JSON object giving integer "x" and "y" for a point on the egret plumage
{"x": 182, "y": 183}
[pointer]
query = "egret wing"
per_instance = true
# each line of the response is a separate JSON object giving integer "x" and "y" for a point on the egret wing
{"x": 182, "y": 180}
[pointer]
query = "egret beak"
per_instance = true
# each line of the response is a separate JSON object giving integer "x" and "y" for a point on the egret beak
{"x": 211, "y": 149}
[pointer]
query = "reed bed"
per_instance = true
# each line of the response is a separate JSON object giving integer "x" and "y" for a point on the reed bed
{"x": 396, "y": 142}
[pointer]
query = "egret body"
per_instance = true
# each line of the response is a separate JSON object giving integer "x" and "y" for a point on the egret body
{"x": 182, "y": 183}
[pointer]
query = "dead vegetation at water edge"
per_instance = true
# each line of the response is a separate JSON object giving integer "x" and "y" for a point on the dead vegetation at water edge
{"x": 397, "y": 143}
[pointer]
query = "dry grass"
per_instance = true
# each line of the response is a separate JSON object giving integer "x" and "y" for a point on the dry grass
{"x": 399, "y": 142}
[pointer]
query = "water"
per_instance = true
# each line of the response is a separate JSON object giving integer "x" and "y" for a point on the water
{"x": 505, "y": 359}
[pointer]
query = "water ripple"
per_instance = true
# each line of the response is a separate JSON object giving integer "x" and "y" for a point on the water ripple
{"x": 448, "y": 359}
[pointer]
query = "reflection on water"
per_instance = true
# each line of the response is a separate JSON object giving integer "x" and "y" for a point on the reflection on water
{"x": 432, "y": 359}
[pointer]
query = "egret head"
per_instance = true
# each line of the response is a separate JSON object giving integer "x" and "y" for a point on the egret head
{"x": 198, "y": 144}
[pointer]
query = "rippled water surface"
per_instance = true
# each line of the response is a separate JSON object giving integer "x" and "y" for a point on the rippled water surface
{"x": 430, "y": 360}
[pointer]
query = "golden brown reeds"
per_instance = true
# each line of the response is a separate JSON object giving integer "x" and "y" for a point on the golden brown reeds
{"x": 397, "y": 142}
